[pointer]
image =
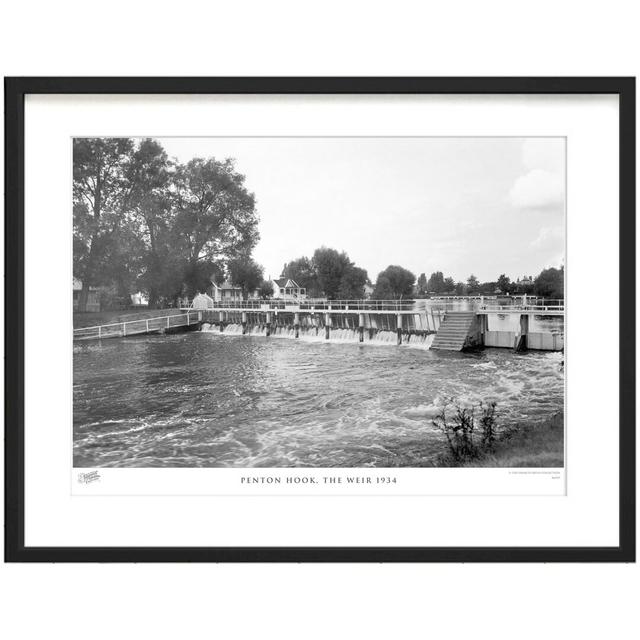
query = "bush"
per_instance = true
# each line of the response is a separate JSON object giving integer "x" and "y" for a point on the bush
{"x": 468, "y": 440}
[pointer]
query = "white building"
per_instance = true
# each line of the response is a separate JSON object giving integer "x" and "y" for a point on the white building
{"x": 288, "y": 289}
{"x": 93, "y": 297}
{"x": 225, "y": 292}
{"x": 526, "y": 281}
{"x": 139, "y": 299}
{"x": 202, "y": 301}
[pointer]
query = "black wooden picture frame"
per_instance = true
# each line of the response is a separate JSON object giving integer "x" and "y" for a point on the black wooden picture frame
{"x": 15, "y": 91}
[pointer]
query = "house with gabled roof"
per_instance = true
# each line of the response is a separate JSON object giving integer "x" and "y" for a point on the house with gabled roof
{"x": 288, "y": 289}
{"x": 225, "y": 292}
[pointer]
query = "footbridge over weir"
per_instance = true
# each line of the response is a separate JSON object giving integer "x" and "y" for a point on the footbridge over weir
{"x": 456, "y": 324}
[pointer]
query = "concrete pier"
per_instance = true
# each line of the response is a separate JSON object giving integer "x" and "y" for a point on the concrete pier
{"x": 399, "y": 328}
{"x": 361, "y": 327}
{"x": 520, "y": 341}
{"x": 327, "y": 325}
{"x": 244, "y": 322}
{"x": 296, "y": 324}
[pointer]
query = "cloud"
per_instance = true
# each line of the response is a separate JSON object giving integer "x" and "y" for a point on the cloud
{"x": 538, "y": 189}
{"x": 541, "y": 186}
{"x": 548, "y": 236}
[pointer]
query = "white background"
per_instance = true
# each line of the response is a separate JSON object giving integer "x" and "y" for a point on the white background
{"x": 586, "y": 516}
{"x": 465, "y": 38}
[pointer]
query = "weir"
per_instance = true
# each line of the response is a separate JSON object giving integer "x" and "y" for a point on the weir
{"x": 517, "y": 325}
{"x": 442, "y": 324}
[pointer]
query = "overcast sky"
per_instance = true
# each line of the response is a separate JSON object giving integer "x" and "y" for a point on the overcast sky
{"x": 458, "y": 205}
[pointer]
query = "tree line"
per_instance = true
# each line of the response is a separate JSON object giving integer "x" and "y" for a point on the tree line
{"x": 145, "y": 222}
{"x": 328, "y": 273}
{"x": 142, "y": 221}
{"x": 332, "y": 274}
{"x": 549, "y": 283}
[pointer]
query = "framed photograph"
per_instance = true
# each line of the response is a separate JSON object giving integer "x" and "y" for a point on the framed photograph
{"x": 320, "y": 319}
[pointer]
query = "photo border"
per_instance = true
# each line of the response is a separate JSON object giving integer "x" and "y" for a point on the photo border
{"x": 15, "y": 91}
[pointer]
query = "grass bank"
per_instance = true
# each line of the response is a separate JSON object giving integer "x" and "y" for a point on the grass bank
{"x": 538, "y": 444}
{"x": 90, "y": 319}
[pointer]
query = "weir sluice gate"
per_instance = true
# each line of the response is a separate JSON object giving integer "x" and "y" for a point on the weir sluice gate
{"x": 516, "y": 329}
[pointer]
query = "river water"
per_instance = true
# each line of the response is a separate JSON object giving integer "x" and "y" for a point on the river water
{"x": 212, "y": 400}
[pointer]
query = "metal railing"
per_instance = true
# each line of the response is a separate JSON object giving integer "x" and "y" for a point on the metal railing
{"x": 309, "y": 304}
{"x": 540, "y": 308}
{"x": 134, "y": 327}
{"x": 483, "y": 303}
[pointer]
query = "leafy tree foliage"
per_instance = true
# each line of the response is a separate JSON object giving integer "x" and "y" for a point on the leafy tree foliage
{"x": 328, "y": 273}
{"x": 150, "y": 180}
{"x": 550, "y": 283}
{"x": 421, "y": 285}
{"x": 352, "y": 283}
{"x": 246, "y": 273}
{"x": 142, "y": 221}
{"x": 302, "y": 271}
{"x": 99, "y": 199}
{"x": 265, "y": 290}
{"x": 215, "y": 214}
{"x": 329, "y": 267}
{"x": 504, "y": 283}
{"x": 436, "y": 282}
{"x": 393, "y": 283}
{"x": 487, "y": 288}
{"x": 473, "y": 285}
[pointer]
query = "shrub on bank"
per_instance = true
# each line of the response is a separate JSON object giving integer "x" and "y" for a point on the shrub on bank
{"x": 470, "y": 431}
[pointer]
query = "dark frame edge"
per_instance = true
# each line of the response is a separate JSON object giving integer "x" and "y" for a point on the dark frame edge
{"x": 14, "y": 322}
{"x": 627, "y": 345}
{"x": 323, "y": 554}
{"x": 456, "y": 85}
{"x": 15, "y": 90}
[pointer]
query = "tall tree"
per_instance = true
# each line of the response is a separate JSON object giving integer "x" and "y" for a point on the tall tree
{"x": 150, "y": 176}
{"x": 141, "y": 221}
{"x": 473, "y": 285}
{"x": 329, "y": 273}
{"x": 352, "y": 283}
{"x": 550, "y": 283}
{"x": 393, "y": 283}
{"x": 246, "y": 273}
{"x": 329, "y": 266}
{"x": 216, "y": 219}
{"x": 436, "y": 282}
{"x": 504, "y": 283}
{"x": 449, "y": 285}
{"x": 422, "y": 284}
{"x": 99, "y": 199}
{"x": 302, "y": 272}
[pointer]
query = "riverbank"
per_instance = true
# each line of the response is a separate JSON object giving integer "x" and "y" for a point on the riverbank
{"x": 539, "y": 444}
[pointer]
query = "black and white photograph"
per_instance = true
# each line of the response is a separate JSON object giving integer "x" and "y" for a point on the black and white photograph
{"x": 319, "y": 302}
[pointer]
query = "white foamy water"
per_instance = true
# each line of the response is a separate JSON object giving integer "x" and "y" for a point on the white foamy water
{"x": 312, "y": 334}
{"x": 216, "y": 400}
